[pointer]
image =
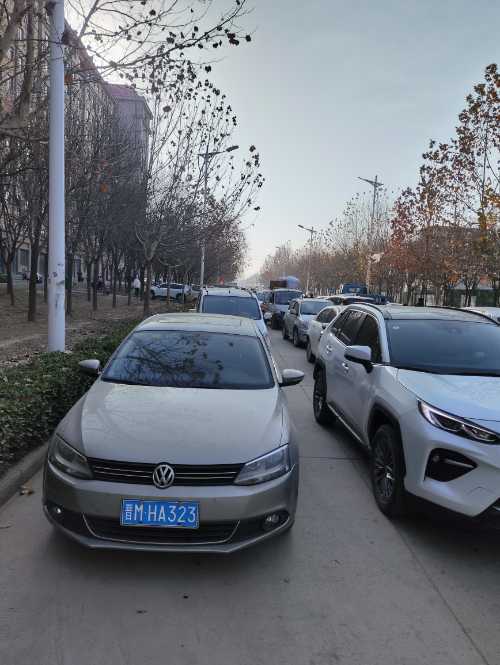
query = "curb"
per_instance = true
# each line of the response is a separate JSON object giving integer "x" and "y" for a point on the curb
{"x": 21, "y": 472}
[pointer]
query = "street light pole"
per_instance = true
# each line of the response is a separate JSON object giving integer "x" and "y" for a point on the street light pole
{"x": 207, "y": 156}
{"x": 312, "y": 232}
{"x": 57, "y": 261}
{"x": 375, "y": 184}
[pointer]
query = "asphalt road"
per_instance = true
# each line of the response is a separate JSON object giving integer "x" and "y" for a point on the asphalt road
{"x": 344, "y": 586}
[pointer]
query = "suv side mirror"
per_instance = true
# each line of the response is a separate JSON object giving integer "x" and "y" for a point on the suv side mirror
{"x": 90, "y": 367}
{"x": 290, "y": 377}
{"x": 361, "y": 355}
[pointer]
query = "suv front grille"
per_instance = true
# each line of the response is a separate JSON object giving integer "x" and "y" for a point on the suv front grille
{"x": 207, "y": 533}
{"x": 185, "y": 474}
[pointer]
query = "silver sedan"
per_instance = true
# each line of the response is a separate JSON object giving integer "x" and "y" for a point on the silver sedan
{"x": 316, "y": 327}
{"x": 183, "y": 443}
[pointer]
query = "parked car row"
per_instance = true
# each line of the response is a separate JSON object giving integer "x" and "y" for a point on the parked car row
{"x": 175, "y": 291}
{"x": 419, "y": 388}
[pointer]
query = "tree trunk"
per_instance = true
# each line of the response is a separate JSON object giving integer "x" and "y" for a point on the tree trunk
{"x": 147, "y": 291}
{"x": 129, "y": 286}
{"x": 141, "y": 277}
{"x": 32, "y": 295}
{"x": 46, "y": 277}
{"x": 95, "y": 276}
{"x": 10, "y": 282}
{"x": 69, "y": 284}
{"x": 89, "y": 280}
{"x": 115, "y": 283}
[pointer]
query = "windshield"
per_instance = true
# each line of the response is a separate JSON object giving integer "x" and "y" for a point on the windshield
{"x": 284, "y": 297}
{"x": 445, "y": 347}
{"x": 313, "y": 306}
{"x": 180, "y": 359}
{"x": 264, "y": 296}
{"x": 235, "y": 305}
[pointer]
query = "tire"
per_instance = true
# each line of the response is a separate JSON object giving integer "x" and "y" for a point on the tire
{"x": 309, "y": 354}
{"x": 274, "y": 323}
{"x": 387, "y": 470}
{"x": 178, "y": 297}
{"x": 296, "y": 339}
{"x": 153, "y": 295}
{"x": 284, "y": 333}
{"x": 322, "y": 413}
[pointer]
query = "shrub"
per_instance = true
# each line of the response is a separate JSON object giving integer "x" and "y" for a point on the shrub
{"x": 3, "y": 278}
{"x": 34, "y": 397}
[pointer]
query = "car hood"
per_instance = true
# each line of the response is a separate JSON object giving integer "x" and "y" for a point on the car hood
{"x": 176, "y": 425}
{"x": 472, "y": 397}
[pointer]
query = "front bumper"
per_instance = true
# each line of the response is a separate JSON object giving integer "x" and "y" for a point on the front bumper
{"x": 471, "y": 494}
{"x": 231, "y": 516}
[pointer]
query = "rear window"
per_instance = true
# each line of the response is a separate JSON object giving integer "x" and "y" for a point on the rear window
{"x": 234, "y": 305}
{"x": 313, "y": 306}
{"x": 284, "y": 297}
{"x": 180, "y": 359}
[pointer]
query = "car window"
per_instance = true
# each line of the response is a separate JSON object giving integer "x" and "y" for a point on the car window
{"x": 445, "y": 346}
{"x": 336, "y": 301}
{"x": 350, "y": 326}
{"x": 295, "y": 308}
{"x": 326, "y": 315}
{"x": 235, "y": 305}
{"x": 338, "y": 323}
{"x": 313, "y": 306}
{"x": 284, "y": 297}
{"x": 187, "y": 359}
{"x": 368, "y": 335}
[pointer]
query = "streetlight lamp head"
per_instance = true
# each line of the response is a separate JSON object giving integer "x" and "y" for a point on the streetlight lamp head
{"x": 300, "y": 226}
{"x": 231, "y": 148}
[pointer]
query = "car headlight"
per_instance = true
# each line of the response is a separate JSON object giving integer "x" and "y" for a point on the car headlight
{"x": 67, "y": 459}
{"x": 269, "y": 466}
{"x": 456, "y": 425}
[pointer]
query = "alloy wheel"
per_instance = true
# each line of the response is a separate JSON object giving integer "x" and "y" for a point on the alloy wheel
{"x": 384, "y": 470}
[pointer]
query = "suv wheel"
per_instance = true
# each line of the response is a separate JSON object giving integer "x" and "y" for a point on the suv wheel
{"x": 322, "y": 413}
{"x": 296, "y": 338}
{"x": 284, "y": 333}
{"x": 153, "y": 295}
{"x": 387, "y": 472}
{"x": 178, "y": 297}
{"x": 274, "y": 323}
{"x": 309, "y": 353}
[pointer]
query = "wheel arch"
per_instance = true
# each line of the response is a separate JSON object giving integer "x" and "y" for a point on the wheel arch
{"x": 379, "y": 416}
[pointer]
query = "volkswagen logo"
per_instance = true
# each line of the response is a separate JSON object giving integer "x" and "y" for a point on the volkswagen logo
{"x": 163, "y": 476}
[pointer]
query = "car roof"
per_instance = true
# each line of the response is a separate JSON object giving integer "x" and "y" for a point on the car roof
{"x": 301, "y": 300}
{"x": 221, "y": 323}
{"x": 227, "y": 291}
{"x": 287, "y": 288}
{"x": 403, "y": 312}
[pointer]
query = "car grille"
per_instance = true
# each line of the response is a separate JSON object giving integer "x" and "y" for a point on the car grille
{"x": 207, "y": 533}
{"x": 185, "y": 474}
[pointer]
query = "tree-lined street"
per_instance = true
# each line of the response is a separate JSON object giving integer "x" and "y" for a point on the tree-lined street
{"x": 344, "y": 586}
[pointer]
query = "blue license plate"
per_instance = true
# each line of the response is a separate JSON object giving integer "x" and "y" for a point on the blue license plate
{"x": 180, "y": 514}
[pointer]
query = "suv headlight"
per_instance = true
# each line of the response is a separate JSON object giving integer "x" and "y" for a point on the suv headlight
{"x": 269, "y": 466}
{"x": 67, "y": 459}
{"x": 456, "y": 425}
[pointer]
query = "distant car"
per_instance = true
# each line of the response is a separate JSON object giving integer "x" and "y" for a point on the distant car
{"x": 278, "y": 305}
{"x": 182, "y": 444}
{"x": 264, "y": 298}
{"x": 235, "y": 302}
{"x": 316, "y": 327}
{"x": 297, "y": 318}
{"x": 176, "y": 291}
{"x": 419, "y": 387}
{"x": 492, "y": 312}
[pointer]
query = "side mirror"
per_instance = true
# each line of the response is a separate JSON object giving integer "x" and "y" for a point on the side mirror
{"x": 290, "y": 377}
{"x": 90, "y": 367}
{"x": 361, "y": 355}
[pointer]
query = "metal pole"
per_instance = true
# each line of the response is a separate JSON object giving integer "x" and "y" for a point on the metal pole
{"x": 370, "y": 239}
{"x": 57, "y": 268}
{"x": 202, "y": 266}
{"x": 311, "y": 231}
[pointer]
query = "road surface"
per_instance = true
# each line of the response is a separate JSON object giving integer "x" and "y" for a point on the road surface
{"x": 345, "y": 586}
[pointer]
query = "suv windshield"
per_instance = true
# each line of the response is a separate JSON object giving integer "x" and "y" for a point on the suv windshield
{"x": 181, "y": 359}
{"x": 284, "y": 297}
{"x": 235, "y": 305}
{"x": 313, "y": 306}
{"x": 445, "y": 347}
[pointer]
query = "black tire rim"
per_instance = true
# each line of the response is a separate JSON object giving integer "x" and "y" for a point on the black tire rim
{"x": 318, "y": 396}
{"x": 384, "y": 475}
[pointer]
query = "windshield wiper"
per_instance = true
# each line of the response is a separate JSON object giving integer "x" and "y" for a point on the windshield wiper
{"x": 126, "y": 382}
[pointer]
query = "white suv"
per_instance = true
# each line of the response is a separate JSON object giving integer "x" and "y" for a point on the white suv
{"x": 419, "y": 387}
{"x": 233, "y": 301}
{"x": 176, "y": 291}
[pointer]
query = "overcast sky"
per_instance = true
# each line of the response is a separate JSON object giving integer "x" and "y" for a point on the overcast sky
{"x": 329, "y": 90}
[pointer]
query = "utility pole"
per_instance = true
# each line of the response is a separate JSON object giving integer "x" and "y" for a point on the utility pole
{"x": 57, "y": 260}
{"x": 312, "y": 232}
{"x": 375, "y": 184}
{"x": 206, "y": 157}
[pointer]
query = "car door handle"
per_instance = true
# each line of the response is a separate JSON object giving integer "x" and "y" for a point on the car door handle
{"x": 328, "y": 348}
{"x": 345, "y": 366}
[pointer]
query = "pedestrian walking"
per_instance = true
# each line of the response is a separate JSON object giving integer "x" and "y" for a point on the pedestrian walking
{"x": 137, "y": 286}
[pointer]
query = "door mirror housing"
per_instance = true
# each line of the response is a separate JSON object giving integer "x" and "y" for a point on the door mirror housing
{"x": 90, "y": 367}
{"x": 290, "y": 377}
{"x": 361, "y": 355}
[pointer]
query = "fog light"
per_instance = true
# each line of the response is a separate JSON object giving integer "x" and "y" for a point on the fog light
{"x": 57, "y": 511}
{"x": 272, "y": 521}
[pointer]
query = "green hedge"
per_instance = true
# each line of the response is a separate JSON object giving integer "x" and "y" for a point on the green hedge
{"x": 3, "y": 278}
{"x": 34, "y": 397}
